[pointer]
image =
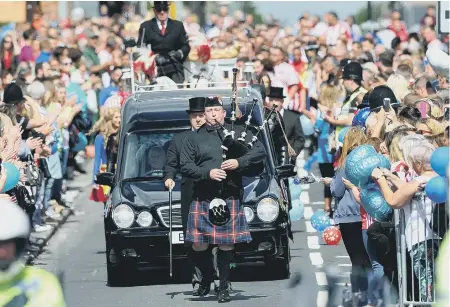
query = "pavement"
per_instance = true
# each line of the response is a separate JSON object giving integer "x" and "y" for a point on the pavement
{"x": 76, "y": 253}
{"x": 38, "y": 240}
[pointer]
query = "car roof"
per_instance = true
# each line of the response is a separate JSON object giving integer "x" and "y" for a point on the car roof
{"x": 162, "y": 106}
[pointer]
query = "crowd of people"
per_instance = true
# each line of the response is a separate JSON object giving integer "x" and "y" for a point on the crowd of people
{"x": 62, "y": 90}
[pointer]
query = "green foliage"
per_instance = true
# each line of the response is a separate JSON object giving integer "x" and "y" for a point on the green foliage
{"x": 363, "y": 14}
{"x": 248, "y": 7}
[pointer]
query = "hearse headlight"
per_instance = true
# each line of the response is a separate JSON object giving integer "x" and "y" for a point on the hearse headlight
{"x": 145, "y": 219}
{"x": 267, "y": 210}
{"x": 249, "y": 214}
{"x": 123, "y": 216}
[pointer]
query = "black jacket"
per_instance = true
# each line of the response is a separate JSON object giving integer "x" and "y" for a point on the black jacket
{"x": 202, "y": 152}
{"x": 293, "y": 129}
{"x": 172, "y": 168}
{"x": 175, "y": 37}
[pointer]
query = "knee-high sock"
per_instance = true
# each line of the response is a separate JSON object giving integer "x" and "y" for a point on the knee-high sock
{"x": 202, "y": 260}
{"x": 223, "y": 261}
{"x": 196, "y": 273}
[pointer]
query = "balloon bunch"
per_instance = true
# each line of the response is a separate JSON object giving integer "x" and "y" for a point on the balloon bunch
{"x": 359, "y": 166}
{"x": 298, "y": 210}
{"x": 321, "y": 222}
{"x": 437, "y": 187}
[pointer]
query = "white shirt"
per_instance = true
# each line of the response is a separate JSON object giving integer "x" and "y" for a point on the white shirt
{"x": 418, "y": 215}
{"x": 104, "y": 57}
{"x": 158, "y": 22}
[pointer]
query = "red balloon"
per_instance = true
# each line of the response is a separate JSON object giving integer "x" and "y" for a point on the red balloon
{"x": 332, "y": 235}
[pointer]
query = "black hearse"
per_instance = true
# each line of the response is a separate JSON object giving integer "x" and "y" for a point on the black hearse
{"x": 137, "y": 212}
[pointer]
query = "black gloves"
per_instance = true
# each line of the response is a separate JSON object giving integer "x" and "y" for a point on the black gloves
{"x": 176, "y": 55}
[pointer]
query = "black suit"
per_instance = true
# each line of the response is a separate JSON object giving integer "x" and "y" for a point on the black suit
{"x": 294, "y": 132}
{"x": 174, "y": 38}
{"x": 171, "y": 169}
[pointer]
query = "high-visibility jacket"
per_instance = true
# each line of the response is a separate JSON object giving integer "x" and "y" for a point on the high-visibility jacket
{"x": 32, "y": 287}
{"x": 442, "y": 278}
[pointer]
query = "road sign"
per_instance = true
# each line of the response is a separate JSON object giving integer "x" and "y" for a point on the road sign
{"x": 443, "y": 17}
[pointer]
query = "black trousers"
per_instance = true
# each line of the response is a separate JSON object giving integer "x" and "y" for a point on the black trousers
{"x": 326, "y": 170}
{"x": 353, "y": 241}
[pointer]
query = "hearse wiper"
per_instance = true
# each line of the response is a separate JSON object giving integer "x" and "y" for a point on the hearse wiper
{"x": 143, "y": 178}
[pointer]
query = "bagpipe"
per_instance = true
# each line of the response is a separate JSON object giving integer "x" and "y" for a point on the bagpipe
{"x": 233, "y": 147}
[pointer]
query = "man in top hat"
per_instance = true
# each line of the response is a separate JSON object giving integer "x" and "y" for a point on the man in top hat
{"x": 168, "y": 39}
{"x": 216, "y": 215}
{"x": 196, "y": 114}
{"x": 290, "y": 124}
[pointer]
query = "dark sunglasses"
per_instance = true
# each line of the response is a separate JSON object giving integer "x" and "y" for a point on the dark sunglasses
{"x": 7, "y": 42}
{"x": 162, "y": 9}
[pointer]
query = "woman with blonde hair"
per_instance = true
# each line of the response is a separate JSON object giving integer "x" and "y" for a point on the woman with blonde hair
{"x": 106, "y": 127}
{"x": 347, "y": 215}
{"x": 399, "y": 85}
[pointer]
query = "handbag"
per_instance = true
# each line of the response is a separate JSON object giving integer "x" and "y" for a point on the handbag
{"x": 32, "y": 173}
{"x": 43, "y": 167}
{"x": 25, "y": 198}
{"x": 98, "y": 195}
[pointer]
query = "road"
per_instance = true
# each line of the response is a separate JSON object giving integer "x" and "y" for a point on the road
{"x": 78, "y": 252}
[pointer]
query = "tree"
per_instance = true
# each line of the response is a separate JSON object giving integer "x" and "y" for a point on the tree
{"x": 248, "y": 7}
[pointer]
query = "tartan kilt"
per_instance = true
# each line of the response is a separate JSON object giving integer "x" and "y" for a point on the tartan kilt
{"x": 201, "y": 230}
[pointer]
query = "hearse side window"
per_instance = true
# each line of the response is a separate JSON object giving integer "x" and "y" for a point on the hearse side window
{"x": 145, "y": 154}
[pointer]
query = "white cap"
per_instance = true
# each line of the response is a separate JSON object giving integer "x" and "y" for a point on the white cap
{"x": 439, "y": 61}
{"x": 36, "y": 90}
{"x": 14, "y": 222}
{"x": 113, "y": 101}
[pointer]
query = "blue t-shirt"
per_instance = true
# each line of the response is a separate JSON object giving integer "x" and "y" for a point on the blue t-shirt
{"x": 323, "y": 149}
{"x": 106, "y": 93}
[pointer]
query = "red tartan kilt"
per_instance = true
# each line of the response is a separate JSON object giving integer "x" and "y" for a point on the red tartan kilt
{"x": 201, "y": 230}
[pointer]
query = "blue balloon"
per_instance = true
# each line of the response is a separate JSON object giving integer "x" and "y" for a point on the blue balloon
{"x": 297, "y": 213}
{"x": 384, "y": 162}
{"x": 375, "y": 205}
{"x": 12, "y": 176}
{"x": 360, "y": 118}
{"x": 359, "y": 153}
{"x": 320, "y": 221}
{"x": 437, "y": 189}
{"x": 295, "y": 190}
{"x": 360, "y": 173}
{"x": 296, "y": 203}
{"x": 341, "y": 135}
{"x": 439, "y": 160}
{"x": 307, "y": 125}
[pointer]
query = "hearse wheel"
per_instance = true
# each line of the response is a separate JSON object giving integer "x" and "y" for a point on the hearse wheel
{"x": 116, "y": 274}
{"x": 280, "y": 267}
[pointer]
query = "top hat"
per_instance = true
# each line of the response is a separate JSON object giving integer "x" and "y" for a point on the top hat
{"x": 276, "y": 92}
{"x": 196, "y": 104}
{"x": 161, "y": 5}
{"x": 13, "y": 94}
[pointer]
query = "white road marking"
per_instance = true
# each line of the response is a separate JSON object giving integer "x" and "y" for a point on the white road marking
{"x": 316, "y": 258}
{"x": 309, "y": 227}
{"x": 344, "y": 264}
{"x": 304, "y": 197}
{"x": 313, "y": 242}
{"x": 322, "y": 298}
{"x": 308, "y": 212}
{"x": 343, "y": 284}
{"x": 318, "y": 203}
{"x": 305, "y": 187}
{"x": 321, "y": 279}
{"x": 342, "y": 257}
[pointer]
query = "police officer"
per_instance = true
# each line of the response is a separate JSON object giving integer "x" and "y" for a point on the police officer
{"x": 352, "y": 76}
{"x": 172, "y": 168}
{"x": 216, "y": 215}
{"x": 168, "y": 39}
{"x": 22, "y": 285}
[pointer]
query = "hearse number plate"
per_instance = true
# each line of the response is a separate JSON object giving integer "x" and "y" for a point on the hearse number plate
{"x": 177, "y": 237}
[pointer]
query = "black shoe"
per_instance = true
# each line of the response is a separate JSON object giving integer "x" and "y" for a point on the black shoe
{"x": 224, "y": 295}
{"x": 203, "y": 289}
{"x": 79, "y": 169}
{"x": 195, "y": 290}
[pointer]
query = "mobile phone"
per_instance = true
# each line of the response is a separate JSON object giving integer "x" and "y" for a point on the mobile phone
{"x": 446, "y": 114}
{"x": 387, "y": 104}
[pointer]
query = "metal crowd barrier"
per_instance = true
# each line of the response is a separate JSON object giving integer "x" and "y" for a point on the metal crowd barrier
{"x": 416, "y": 259}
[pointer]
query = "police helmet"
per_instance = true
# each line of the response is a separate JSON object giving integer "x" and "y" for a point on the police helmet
{"x": 377, "y": 96}
{"x": 219, "y": 213}
{"x": 14, "y": 227}
{"x": 365, "y": 101}
{"x": 353, "y": 71}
